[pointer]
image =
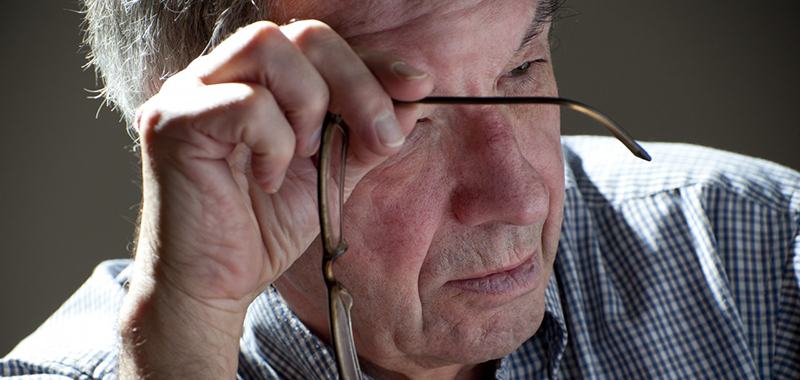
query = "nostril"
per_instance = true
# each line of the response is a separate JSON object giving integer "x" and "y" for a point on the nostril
{"x": 423, "y": 120}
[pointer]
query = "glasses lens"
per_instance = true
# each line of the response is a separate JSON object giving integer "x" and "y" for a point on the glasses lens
{"x": 342, "y": 301}
{"x": 335, "y": 150}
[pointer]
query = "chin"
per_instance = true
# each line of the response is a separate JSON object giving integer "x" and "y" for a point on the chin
{"x": 489, "y": 336}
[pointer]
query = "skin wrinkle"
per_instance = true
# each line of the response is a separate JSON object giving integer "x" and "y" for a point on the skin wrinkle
{"x": 517, "y": 247}
{"x": 389, "y": 184}
{"x": 443, "y": 44}
{"x": 402, "y": 218}
{"x": 392, "y": 14}
{"x": 380, "y": 195}
{"x": 456, "y": 326}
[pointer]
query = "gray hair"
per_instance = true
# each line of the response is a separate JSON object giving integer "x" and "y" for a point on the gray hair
{"x": 134, "y": 45}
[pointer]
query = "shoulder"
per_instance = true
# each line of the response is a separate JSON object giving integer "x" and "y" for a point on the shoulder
{"x": 700, "y": 243}
{"x": 601, "y": 166}
{"x": 80, "y": 339}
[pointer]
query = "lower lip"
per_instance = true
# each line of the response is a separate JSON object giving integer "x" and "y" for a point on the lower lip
{"x": 518, "y": 279}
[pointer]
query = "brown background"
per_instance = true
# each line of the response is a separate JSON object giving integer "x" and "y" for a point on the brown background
{"x": 720, "y": 73}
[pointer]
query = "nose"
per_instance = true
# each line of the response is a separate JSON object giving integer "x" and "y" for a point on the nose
{"x": 495, "y": 181}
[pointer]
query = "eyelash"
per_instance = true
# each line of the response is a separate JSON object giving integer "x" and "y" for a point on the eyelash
{"x": 522, "y": 81}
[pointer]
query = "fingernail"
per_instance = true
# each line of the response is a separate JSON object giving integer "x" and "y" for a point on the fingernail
{"x": 388, "y": 131}
{"x": 407, "y": 72}
{"x": 313, "y": 143}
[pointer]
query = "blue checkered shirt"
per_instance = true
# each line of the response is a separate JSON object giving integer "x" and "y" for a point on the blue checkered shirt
{"x": 683, "y": 268}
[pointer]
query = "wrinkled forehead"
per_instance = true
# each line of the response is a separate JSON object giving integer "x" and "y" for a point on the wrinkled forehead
{"x": 367, "y": 16}
{"x": 355, "y": 18}
{"x": 483, "y": 34}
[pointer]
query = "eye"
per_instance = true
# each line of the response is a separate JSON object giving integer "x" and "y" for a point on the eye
{"x": 520, "y": 70}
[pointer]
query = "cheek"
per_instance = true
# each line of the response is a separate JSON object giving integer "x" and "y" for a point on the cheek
{"x": 393, "y": 217}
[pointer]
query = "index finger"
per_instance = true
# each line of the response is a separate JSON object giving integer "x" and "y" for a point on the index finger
{"x": 356, "y": 93}
{"x": 261, "y": 54}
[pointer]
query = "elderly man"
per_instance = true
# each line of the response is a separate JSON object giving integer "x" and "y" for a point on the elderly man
{"x": 456, "y": 215}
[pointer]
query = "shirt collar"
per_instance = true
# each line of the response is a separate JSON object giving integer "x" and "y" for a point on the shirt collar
{"x": 541, "y": 353}
{"x": 554, "y": 326}
{"x": 274, "y": 334}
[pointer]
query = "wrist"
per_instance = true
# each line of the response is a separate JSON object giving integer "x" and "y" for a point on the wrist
{"x": 167, "y": 334}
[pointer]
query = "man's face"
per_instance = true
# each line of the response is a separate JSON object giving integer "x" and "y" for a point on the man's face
{"x": 452, "y": 240}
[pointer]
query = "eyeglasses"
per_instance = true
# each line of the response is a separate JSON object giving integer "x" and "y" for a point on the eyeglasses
{"x": 330, "y": 187}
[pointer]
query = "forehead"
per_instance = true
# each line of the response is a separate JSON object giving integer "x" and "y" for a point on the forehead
{"x": 355, "y": 19}
{"x": 480, "y": 38}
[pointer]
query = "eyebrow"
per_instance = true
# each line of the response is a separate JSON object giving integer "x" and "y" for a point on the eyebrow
{"x": 534, "y": 30}
{"x": 544, "y": 13}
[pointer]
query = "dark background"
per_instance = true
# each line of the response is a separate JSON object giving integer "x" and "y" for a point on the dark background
{"x": 721, "y": 73}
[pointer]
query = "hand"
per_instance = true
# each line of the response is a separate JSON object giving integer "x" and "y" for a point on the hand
{"x": 229, "y": 188}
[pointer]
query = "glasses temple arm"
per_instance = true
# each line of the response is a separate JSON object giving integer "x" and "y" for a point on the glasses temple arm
{"x": 618, "y": 132}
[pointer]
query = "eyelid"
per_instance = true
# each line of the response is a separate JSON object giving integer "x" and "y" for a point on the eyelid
{"x": 530, "y": 64}
{"x": 524, "y": 68}
{"x": 526, "y": 83}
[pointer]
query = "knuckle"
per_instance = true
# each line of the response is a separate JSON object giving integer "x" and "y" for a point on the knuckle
{"x": 256, "y": 39}
{"x": 363, "y": 94}
{"x": 249, "y": 97}
{"x": 318, "y": 101}
{"x": 285, "y": 152}
{"x": 262, "y": 30}
{"x": 310, "y": 115}
{"x": 307, "y": 29}
{"x": 369, "y": 98}
{"x": 150, "y": 117}
{"x": 312, "y": 35}
{"x": 278, "y": 154}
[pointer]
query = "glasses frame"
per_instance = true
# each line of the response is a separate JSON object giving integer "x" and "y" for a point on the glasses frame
{"x": 340, "y": 300}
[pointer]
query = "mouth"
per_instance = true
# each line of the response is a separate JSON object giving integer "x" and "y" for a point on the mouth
{"x": 518, "y": 278}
